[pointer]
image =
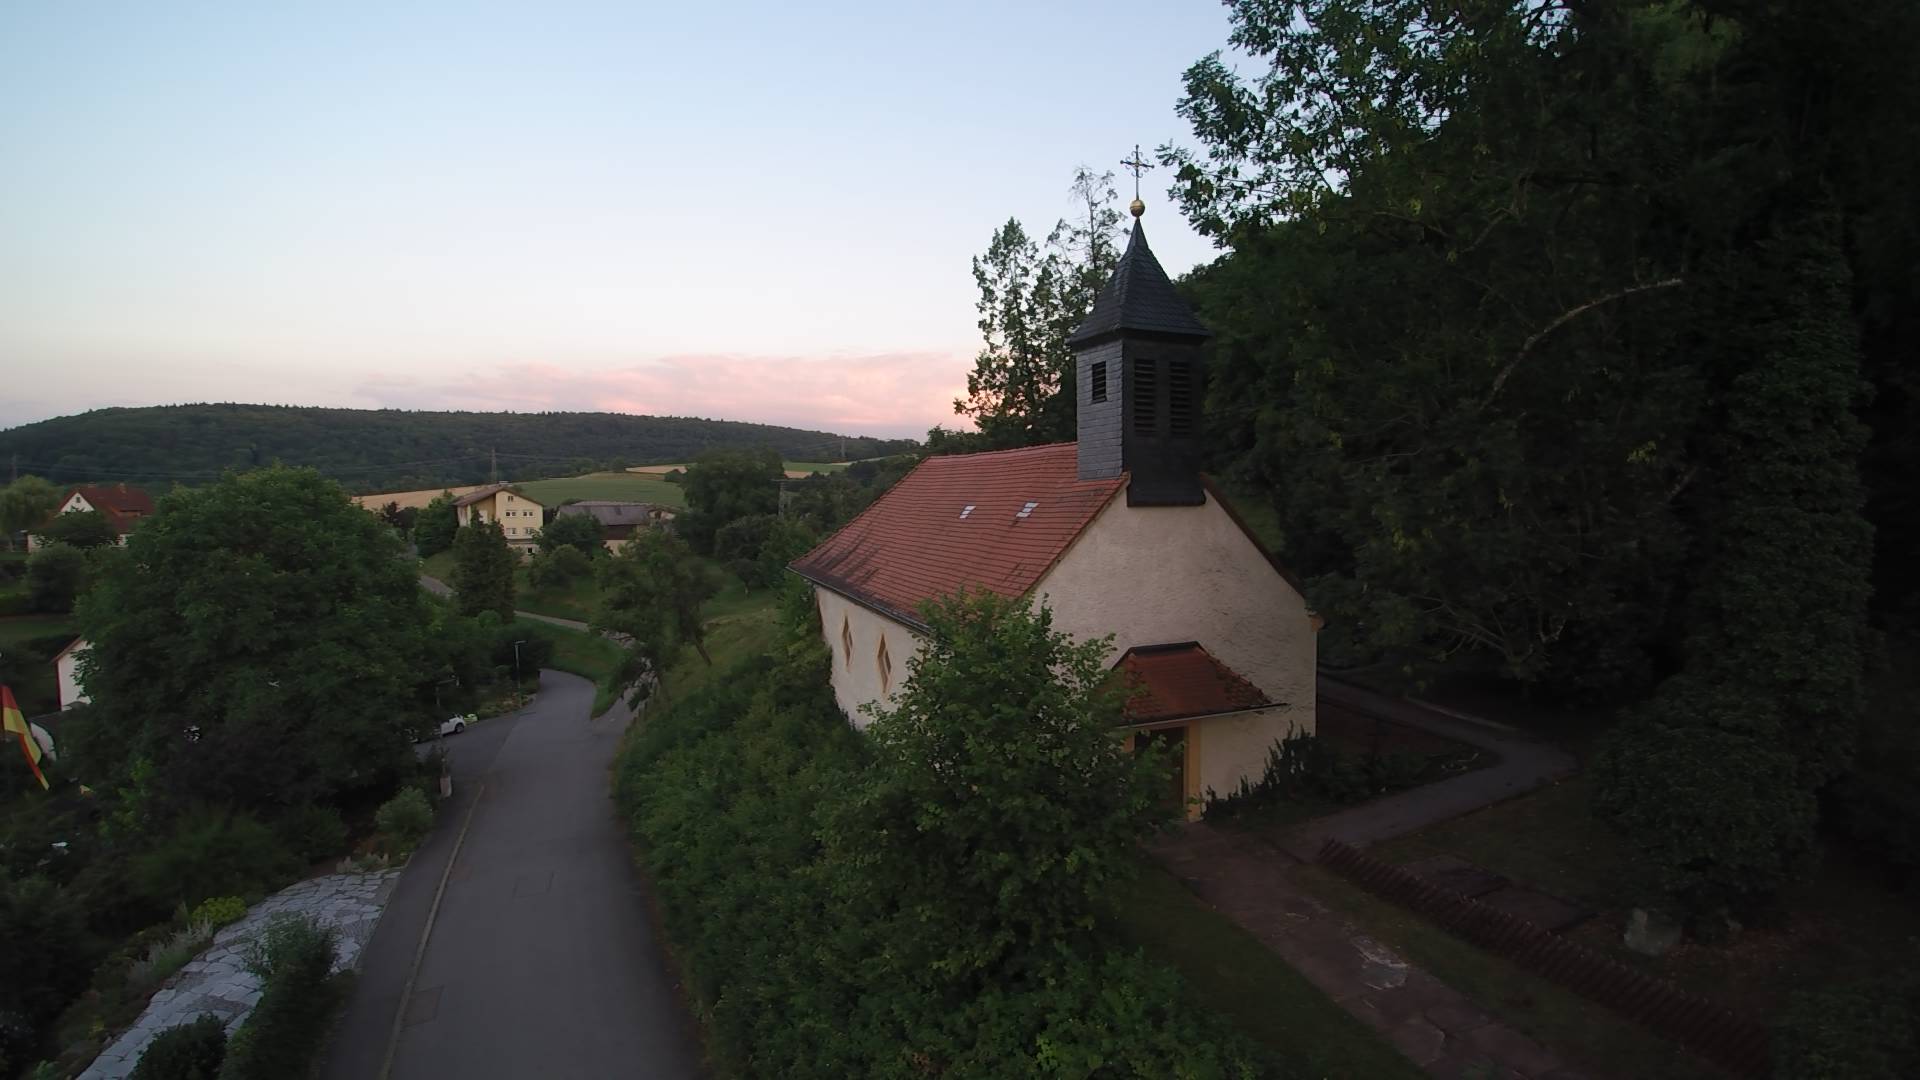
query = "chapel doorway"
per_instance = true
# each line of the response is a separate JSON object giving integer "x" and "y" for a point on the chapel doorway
{"x": 1173, "y": 747}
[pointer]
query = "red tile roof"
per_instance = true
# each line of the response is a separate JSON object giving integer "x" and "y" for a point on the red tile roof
{"x": 1174, "y": 681}
{"x": 956, "y": 522}
{"x": 119, "y": 504}
{"x": 488, "y": 492}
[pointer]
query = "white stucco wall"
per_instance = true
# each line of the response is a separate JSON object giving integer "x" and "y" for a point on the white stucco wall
{"x": 519, "y": 517}
{"x": 1147, "y": 576}
{"x": 1162, "y": 574}
{"x": 856, "y": 680}
{"x": 66, "y": 667}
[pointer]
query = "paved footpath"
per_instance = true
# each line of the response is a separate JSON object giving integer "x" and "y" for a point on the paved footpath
{"x": 1524, "y": 764}
{"x": 539, "y": 959}
{"x": 1250, "y": 881}
{"x": 217, "y": 981}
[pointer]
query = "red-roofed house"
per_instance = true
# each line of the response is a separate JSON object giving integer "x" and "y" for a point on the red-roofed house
{"x": 122, "y": 506}
{"x": 1117, "y": 533}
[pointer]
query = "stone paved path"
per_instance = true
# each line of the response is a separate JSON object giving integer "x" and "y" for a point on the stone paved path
{"x": 217, "y": 981}
{"x": 1524, "y": 764}
{"x": 1435, "y": 1026}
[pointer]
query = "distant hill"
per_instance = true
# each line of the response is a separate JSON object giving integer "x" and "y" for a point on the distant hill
{"x": 385, "y": 449}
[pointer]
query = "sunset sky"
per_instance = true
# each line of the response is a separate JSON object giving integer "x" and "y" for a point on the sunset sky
{"x": 756, "y": 211}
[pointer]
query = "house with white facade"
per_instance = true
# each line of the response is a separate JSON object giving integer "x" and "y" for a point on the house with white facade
{"x": 520, "y": 517}
{"x": 1118, "y": 533}
{"x": 123, "y": 507}
{"x": 66, "y": 668}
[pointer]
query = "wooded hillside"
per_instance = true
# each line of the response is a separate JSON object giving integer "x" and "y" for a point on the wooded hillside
{"x": 385, "y": 449}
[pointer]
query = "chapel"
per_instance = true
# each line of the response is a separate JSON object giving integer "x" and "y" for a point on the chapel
{"x": 1118, "y": 532}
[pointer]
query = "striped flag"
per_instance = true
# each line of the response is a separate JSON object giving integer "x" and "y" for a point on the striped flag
{"x": 14, "y": 722}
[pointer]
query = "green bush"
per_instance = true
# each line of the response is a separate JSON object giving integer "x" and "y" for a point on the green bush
{"x": 190, "y": 1051}
{"x": 405, "y": 819}
{"x": 312, "y": 832}
{"x": 795, "y": 957}
{"x": 293, "y": 958}
{"x": 56, "y": 576}
{"x": 1860, "y": 1032}
{"x": 218, "y": 911}
{"x": 213, "y": 852}
{"x": 168, "y": 955}
{"x": 43, "y": 962}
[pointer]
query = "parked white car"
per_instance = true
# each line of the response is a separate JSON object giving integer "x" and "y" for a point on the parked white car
{"x": 454, "y": 725}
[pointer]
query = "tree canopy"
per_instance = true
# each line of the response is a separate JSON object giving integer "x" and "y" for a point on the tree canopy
{"x": 258, "y": 645}
{"x": 724, "y": 486}
{"x": 24, "y": 503}
{"x": 1020, "y": 391}
{"x": 1543, "y": 327}
{"x": 483, "y": 565}
{"x": 388, "y": 449}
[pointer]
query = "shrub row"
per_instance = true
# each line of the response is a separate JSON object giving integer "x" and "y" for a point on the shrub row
{"x": 792, "y": 959}
{"x": 293, "y": 958}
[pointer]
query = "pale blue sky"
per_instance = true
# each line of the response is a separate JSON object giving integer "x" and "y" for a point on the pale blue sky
{"x": 756, "y": 211}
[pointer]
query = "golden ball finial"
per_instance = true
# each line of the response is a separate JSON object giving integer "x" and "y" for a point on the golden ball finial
{"x": 1137, "y": 207}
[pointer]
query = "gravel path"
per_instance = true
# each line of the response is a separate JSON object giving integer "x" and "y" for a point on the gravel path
{"x": 217, "y": 981}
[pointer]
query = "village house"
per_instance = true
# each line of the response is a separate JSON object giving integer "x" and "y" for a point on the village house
{"x": 122, "y": 506}
{"x": 520, "y": 517}
{"x": 66, "y": 667}
{"x": 1117, "y": 533}
{"x": 618, "y": 520}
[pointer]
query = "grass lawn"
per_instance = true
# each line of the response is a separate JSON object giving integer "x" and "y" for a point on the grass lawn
{"x": 1592, "y": 1035}
{"x": 574, "y": 601}
{"x": 439, "y": 566}
{"x": 1231, "y": 973}
{"x": 617, "y": 486}
{"x": 739, "y": 625}
{"x": 31, "y": 676}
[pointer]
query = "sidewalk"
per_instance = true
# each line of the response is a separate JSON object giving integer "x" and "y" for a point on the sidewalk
{"x": 1435, "y": 1026}
{"x": 1525, "y": 763}
{"x": 1250, "y": 881}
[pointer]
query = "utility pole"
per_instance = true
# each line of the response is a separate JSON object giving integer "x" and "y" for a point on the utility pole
{"x": 493, "y": 467}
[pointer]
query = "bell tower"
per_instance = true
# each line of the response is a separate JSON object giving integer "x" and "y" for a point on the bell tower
{"x": 1138, "y": 365}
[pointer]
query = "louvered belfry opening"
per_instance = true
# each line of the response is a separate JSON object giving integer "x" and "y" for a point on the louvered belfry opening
{"x": 1142, "y": 335}
{"x": 1146, "y": 394}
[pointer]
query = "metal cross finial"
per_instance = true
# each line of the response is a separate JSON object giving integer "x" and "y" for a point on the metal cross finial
{"x": 1136, "y": 165}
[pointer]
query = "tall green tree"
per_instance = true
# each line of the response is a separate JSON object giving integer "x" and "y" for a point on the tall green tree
{"x": 483, "y": 565}
{"x": 435, "y": 526}
{"x": 651, "y": 593}
{"x": 258, "y": 645}
{"x": 56, "y": 576}
{"x": 1020, "y": 391}
{"x": 581, "y": 532}
{"x": 724, "y": 486}
{"x": 25, "y": 503}
{"x": 1766, "y": 711}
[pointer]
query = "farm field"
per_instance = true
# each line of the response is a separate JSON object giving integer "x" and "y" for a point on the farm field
{"x": 617, "y": 486}
{"x": 795, "y": 469}
{"x": 410, "y": 499}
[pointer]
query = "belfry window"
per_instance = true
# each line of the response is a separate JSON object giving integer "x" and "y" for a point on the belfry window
{"x": 1097, "y": 381}
{"x": 1145, "y": 394}
{"x": 1180, "y": 399}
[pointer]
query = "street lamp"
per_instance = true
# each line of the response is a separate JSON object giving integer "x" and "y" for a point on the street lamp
{"x": 516, "y": 666}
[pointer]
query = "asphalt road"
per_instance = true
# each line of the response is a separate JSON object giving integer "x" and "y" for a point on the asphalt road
{"x": 541, "y": 961}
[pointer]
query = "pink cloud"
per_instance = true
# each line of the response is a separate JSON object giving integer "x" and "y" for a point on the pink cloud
{"x": 889, "y": 394}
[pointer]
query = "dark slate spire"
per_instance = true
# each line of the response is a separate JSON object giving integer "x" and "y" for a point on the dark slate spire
{"x": 1138, "y": 297}
{"x": 1139, "y": 383}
